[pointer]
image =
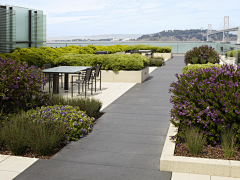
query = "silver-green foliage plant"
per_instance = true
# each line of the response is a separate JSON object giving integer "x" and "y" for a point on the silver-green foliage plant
{"x": 90, "y": 105}
{"x": 76, "y": 121}
{"x": 228, "y": 142}
{"x": 194, "y": 140}
{"x": 194, "y": 60}
{"x": 203, "y": 61}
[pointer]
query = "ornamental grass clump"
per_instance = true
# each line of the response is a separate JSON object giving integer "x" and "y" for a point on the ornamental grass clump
{"x": 90, "y": 105}
{"x": 194, "y": 140}
{"x": 20, "y": 87}
{"x": 14, "y": 133}
{"x": 201, "y": 55}
{"x": 208, "y": 99}
{"x": 228, "y": 142}
{"x": 76, "y": 122}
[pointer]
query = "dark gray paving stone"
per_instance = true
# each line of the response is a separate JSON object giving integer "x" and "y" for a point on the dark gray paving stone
{"x": 109, "y": 158}
{"x": 142, "y": 116}
{"x": 131, "y": 129}
{"x": 117, "y": 147}
{"x": 123, "y": 137}
{"x": 139, "y": 109}
{"x": 63, "y": 170}
{"x": 162, "y": 121}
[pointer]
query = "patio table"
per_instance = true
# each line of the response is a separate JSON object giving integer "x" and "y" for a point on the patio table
{"x": 147, "y": 52}
{"x": 66, "y": 70}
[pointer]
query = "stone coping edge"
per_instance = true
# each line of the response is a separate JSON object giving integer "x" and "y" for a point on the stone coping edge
{"x": 194, "y": 165}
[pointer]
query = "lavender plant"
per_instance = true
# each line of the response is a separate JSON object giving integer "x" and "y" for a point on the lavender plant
{"x": 202, "y": 53}
{"x": 76, "y": 122}
{"x": 44, "y": 136}
{"x": 208, "y": 99}
{"x": 20, "y": 88}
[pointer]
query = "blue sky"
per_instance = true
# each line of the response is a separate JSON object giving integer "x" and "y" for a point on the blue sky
{"x": 97, "y": 17}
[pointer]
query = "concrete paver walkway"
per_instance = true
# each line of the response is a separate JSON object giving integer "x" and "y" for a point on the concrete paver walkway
{"x": 126, "y": 141}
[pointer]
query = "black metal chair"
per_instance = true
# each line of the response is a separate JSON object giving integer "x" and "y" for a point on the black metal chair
{"x": 96, "y": 75}
{"x": 84, "y": 80}
{"x": 134, "y": 51}
{"x": 101, "y": 52}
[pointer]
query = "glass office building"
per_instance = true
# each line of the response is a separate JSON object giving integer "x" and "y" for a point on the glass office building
{"x": 21, "y": 27}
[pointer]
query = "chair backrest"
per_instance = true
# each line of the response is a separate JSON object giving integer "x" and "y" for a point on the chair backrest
{"x": 134, "y": 51}
{"x": 98, "y": 68}
{"x": 88, "y": 74}
{"x": 46, "y": 66}
{"x": 101, "y": 52}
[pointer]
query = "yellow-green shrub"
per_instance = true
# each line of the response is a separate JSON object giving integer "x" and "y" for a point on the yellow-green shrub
{"x": 194, "y": 67}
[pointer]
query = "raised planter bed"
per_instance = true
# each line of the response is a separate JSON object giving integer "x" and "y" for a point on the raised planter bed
{"x": 137, "y": 76}
{"x": 164, "y": 55}
{"x": 194, "y": 165}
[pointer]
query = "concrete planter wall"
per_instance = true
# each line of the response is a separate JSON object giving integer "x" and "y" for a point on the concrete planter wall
{"x": 137, "y": 76}
{"x": 195, "y": 165}
{"x": 164, "y": 55}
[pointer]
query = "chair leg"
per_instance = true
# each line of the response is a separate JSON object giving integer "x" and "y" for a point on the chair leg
{"x": 72, "y": 86}
{"x": 95, "y": 83}
{"x": 100, "y": 80}
{"x": 92, "y": 88}
{"x": 85, "y": 89}
{"x": 61, "y": 81}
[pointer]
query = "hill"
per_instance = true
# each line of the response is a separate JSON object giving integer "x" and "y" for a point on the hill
{"x": 184, "y": 35}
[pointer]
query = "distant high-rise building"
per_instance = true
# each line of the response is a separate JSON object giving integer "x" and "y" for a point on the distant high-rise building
{"x": 21, "y": 27}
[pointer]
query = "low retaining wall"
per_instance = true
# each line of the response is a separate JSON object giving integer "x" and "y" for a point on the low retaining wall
{"x": 164, "y": 55}
{"x": 137, "y": 76}
{"x": 195, "y": 165}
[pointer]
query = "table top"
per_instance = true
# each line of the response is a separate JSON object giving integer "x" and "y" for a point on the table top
{"x": 66, "y": 69}
{"x": 144, "y": 50}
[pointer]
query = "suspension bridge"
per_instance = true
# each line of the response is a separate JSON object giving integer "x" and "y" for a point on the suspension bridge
{"x": 225, "y": 29}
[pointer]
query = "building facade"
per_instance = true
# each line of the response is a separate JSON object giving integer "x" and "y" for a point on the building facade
{"x": 21, "y": 27}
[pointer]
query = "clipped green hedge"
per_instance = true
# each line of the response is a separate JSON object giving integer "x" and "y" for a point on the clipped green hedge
{"x": 194, "y": 67}
{"x": 84, "y": 56}
{"x": 114, "y": 62}
{"x": 156, "y": 49}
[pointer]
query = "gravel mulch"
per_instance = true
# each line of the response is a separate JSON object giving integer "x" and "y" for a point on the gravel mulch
{"x": 207, "y": 152}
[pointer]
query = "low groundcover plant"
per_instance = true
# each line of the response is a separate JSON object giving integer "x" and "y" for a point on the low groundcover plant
{"x": 208, "y": 99}
{"x": 76, "y": 121}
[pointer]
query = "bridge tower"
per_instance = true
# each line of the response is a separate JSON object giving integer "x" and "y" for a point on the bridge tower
{"x": 209, "y": 32}
{"x": 225, "y": 39}
{"x": 238, "y": 39}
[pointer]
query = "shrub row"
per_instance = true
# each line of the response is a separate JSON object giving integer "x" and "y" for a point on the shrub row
{"x": 44, "y": 55}
{"x": 109, "y": 62}
{"x": 156, "y": 49}
{"x": 201, "y": 55}
{"x": 208, "y": 99}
